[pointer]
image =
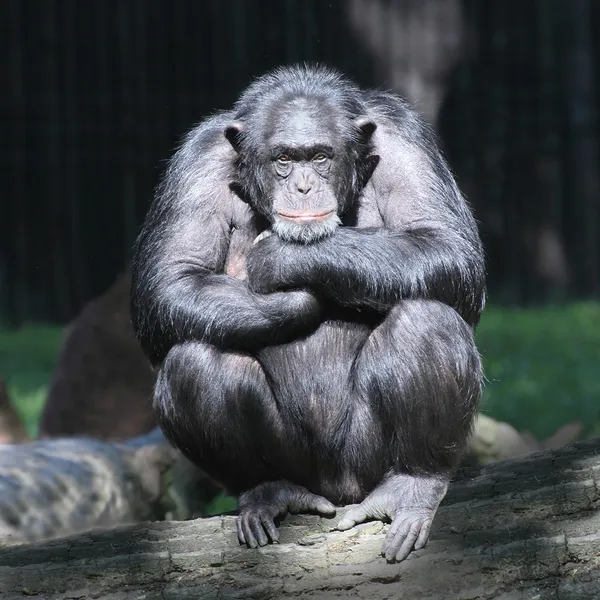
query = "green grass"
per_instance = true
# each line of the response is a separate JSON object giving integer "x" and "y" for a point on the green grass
{"x": 27, "y": 358}
{"x": 542, "y": 366}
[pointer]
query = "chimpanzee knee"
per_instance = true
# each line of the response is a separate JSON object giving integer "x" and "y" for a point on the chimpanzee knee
{"x": 421, "y": 373}
{"x": 218, "y": 410}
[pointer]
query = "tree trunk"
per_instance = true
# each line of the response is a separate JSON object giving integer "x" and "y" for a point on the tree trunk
{"x": 520, "y": 529}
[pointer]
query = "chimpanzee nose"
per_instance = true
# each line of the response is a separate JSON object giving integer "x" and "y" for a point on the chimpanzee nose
{"x": 304, "y": 184}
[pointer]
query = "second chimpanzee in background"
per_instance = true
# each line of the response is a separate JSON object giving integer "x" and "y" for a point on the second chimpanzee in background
{"x": 331, "y": 360}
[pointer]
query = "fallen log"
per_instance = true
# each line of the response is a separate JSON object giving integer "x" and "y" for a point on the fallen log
{"x": 52, "y": 488}
{"x": 492, "y": 441}
{"x": 521, "y": 529}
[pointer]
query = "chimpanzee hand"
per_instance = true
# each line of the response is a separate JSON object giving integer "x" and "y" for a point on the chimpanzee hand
{"x": 410, "y": 503}
{"x": 264, "y": 265}
{"x": 276, "y": 265}
{"x": 260, "y": 506}
{"x": 261, "y": 236}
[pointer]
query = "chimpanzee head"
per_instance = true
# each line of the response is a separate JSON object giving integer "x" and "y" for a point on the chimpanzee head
{"x": 301, "y": 149}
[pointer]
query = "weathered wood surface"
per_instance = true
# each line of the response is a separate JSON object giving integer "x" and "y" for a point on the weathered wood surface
{"x": 52, "y": 488}
{"x": 522, "y": 529}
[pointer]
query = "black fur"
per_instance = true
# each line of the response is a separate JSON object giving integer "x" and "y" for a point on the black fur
{"x": 334, "y": 357}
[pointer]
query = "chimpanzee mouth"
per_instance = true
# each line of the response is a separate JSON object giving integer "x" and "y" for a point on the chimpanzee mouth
{"x": 305, "y": 226}
{"x": 305, "y": 216}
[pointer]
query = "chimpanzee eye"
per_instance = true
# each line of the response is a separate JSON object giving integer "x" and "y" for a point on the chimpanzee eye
{"x": 319, "y": 157}
{"x": 283, "y": 158}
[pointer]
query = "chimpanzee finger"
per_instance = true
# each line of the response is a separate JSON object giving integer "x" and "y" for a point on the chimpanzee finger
{"x": 324, "y": 507}
{"x": 269, "y": 526}
{"x": 391, "y": 534}
{"x": 405, "y": 541}
{"x": 353, "y": 517}
{"x": 248, "y": 534}
{"x": 403, "y": 536}
{"x": 394, "y": 541}
{"x": 240, "y": 531}
{"x": 305, "y": 502}
{"x": 257, "y": 530}
{"x": 424, "y": 535}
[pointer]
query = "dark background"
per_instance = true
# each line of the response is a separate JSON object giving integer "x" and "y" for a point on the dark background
{"x": 96, "y": 94}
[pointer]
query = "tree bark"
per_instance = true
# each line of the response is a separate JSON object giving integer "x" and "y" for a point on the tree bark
{"x": 521, "y": 529}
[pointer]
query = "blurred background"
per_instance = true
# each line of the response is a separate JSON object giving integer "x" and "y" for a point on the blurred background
{"x": 96, "y": 96}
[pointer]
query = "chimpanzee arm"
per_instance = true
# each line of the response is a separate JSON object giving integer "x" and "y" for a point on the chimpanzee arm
{"x": 428, "y": 246}
{"x": 179, "y": 287}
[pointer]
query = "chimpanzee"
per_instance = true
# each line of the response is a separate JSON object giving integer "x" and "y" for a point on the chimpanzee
{"x": 307, "y": 281}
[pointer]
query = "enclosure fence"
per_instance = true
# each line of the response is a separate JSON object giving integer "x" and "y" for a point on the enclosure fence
{"x": 97, "y": 95}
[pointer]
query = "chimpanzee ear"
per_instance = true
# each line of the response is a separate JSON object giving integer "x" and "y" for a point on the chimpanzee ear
{"x": 366, "y": 127}
{"x": 233, "y": 132}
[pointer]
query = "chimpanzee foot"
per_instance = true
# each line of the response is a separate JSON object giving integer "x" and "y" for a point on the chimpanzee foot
{"x": 260, "y": 506}
{"x": 410, "y": 503}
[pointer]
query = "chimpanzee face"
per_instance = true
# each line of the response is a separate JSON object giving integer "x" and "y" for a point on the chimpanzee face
{"x": 304, "y": 165}
{"x": 300, "y": 170}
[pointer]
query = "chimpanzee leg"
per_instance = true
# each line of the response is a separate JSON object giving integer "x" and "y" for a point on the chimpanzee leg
{"x": 219, "y": 410}
{"x": 420, "y": 372}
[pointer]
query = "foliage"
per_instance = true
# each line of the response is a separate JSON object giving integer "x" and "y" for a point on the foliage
{"x": 27, "y": 358}
{"x": 542, "y": 366}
